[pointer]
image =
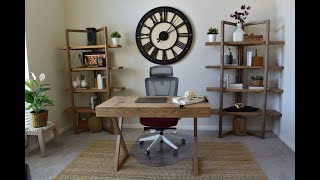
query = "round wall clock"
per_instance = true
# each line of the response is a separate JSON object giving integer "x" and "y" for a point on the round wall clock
{"x": 164, "y": 35}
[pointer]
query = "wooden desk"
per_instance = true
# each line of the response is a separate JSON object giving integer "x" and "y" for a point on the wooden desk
{"x": 125, "y": 106}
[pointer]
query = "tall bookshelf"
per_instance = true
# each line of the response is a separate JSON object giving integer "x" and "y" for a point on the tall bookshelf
{"x": 263, "y": 112}
{"x": 106, "y": 92}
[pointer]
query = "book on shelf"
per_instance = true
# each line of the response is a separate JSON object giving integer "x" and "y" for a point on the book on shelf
{"x": 235, "y": 86}
{"x": 256, "y": 87}
{"x": 185, "y": 101}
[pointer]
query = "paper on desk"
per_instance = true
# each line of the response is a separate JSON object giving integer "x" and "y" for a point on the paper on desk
{"x": 184, "y": 101}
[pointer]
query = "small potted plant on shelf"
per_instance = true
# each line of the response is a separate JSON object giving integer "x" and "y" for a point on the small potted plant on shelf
{"x": 115, "y": 37}
{"x": 212, "y": 34}
{"x": 37, "y": 100}
{"x": 257, "y": 81}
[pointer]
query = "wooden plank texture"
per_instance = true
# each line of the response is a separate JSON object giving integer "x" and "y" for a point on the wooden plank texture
{"x": 113, "y": 89}
{"x": 218, "y": 89}
{"x": 245, "y": 43}
{"x": 91, "y": 47}
{"x": 95, "y": 68}
{"x": 125, "y": 106}
{"x": 270, "y": 112}
{"x": 80, "y": 110}
{"x": 245, "y": 67}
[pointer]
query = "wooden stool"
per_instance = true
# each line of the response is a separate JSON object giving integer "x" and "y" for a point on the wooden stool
{"x": 40, "y": 132}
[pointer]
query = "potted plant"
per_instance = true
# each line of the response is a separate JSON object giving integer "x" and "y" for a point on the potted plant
{"x": 115, "y": 38}
{"x": 257, "y": 81}
{"x": 36, "y": 99}
{"x": 212, "y": 34}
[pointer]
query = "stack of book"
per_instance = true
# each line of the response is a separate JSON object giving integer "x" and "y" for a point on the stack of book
{"x": 256, "y": 87}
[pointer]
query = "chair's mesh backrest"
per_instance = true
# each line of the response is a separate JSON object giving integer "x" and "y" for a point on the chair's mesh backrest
{"x": 161, "y": 82}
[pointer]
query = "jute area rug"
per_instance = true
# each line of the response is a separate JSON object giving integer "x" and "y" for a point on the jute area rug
{"x": 217, "y": 160}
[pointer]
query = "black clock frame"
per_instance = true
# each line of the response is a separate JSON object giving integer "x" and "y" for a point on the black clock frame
{"x": 144, "y": 49}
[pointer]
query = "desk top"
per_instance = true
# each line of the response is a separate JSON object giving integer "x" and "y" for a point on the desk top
{"x": 125, "y": 106}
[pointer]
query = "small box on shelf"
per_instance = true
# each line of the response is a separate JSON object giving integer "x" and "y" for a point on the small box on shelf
{"x": 235, "y": 86}
{"x": 257, "y": 60}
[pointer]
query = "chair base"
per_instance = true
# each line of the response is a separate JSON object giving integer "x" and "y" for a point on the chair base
{"x": 159, "y": 138}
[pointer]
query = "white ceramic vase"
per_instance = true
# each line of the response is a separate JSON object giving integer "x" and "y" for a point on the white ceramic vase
{"x": 238, "y": 34}
{"x": 78, "y": 81}
{"x": 115, "y": 41}
{"x": 83, "y": 83}
{"x": 212, "y": 37}
{"x": 74, "y": 84}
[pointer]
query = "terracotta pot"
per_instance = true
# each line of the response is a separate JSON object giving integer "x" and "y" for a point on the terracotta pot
{"x": 39, "y": 119}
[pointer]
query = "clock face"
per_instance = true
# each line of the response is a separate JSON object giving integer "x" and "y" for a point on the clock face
{"x": 164, "y": 35}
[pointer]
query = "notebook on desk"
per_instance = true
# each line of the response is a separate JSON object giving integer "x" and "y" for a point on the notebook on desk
{"x": 151, "y": 100}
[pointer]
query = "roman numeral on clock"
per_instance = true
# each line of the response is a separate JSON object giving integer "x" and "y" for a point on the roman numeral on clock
{"x": 180, "y": 25}
{"x": 163, "y": 15}
{"x": 172, "y": 20}
{"x": 174, "y": 53}
{"x": 183, "y": 34}
{"x": 154, "y": 53}
{"x": 147, "y": 27}
{"x": 164, "y": 56}
{"x": 147, "y": 46}
{"x": 144, "y": 36}
{"x": 154, "y": 19}
{"x": 180, "y": 44}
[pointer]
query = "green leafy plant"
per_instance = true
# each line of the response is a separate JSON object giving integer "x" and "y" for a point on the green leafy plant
{"x": 115, "y": 34}
{"x": 35, "y": 93}
{"x": 257, "y": 77}
{"x": 213, "y": 31}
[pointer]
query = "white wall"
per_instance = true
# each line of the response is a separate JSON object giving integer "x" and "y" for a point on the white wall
{"x": 286, "y": 30}
{"x": 44, "y": 26}
{"x": 123, "y": 16}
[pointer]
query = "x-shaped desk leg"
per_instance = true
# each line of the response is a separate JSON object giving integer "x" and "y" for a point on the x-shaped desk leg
{"x": 120, "y": 142}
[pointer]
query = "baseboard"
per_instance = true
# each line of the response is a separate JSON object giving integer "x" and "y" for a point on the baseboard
{"x": 288, "y": 143}
{"x": 48, "y": 138}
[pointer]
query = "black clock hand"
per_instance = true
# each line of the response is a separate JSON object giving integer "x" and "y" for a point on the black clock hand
{"x": 171, "y": 31}
{"x": 168, "y": 29}
{"x": 172, "y": 24}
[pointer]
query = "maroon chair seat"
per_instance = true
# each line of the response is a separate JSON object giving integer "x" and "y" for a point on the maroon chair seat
{"x": 159, "y": 122}
{"x": 160, "y": 83}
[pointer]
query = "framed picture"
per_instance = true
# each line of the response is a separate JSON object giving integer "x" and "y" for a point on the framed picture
{"x": 94, "y": 59}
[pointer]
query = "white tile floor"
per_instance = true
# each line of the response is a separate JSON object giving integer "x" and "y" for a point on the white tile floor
{"x": 273, "y": 156}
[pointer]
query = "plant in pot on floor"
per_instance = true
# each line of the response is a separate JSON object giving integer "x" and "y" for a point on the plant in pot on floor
{"x": 37, "y": 100}
{"x": 212, "y": 34}
{"x": 115, "y": 37}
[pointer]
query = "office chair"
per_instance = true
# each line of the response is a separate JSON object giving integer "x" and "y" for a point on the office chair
{"x": 160, "y": 83}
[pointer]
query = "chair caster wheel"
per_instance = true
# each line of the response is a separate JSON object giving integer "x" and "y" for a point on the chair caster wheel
{"x": 141, "y": 142}
{"x": 175, "y": 152}
{"x": 183, "y": 141}
{"x": 146, "y": 152}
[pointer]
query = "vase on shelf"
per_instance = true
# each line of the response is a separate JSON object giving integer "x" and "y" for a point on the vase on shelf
{"x": 78, "y": 81}
{"x": 212, "y": 37}
{"x": 115, "y": 41}
{"x": 91, "y": 36}
{"x": 238, "y": 34}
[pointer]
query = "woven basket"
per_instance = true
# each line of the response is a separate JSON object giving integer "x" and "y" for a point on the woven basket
{"x": 39, "y": 119}
{"x": 95, "y": 124}
{"x": 239, "y": 125}
{"x": 257, "y": 83}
